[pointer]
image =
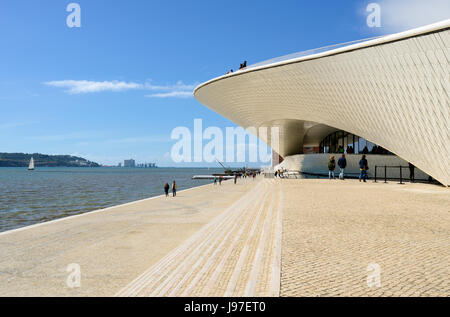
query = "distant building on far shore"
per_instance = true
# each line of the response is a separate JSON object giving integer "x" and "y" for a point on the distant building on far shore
{"x": 120, "y": 165}
{"x": 146, "y": 165}
{"x": 132, "y": 163}
{"x": 129, "y": 163}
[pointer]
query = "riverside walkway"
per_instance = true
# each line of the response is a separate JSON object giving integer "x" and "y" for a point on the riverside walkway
{"x": 237, "y": 254}
{"x": 114, "y": 246}
{"x": 263, "y": 237}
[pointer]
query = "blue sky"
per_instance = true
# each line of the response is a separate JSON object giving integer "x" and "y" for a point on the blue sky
{"x": 116, "y": 87}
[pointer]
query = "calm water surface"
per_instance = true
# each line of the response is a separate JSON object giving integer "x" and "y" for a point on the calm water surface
{"x": 45, "y": 194}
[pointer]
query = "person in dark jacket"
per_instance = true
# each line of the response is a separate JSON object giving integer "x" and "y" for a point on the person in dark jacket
{"x": 166, "y": 189}
{"x": 174, "y": 189}
{"x": 331, "y": 167}
{"x": 342, "y": 163}
{"x": 363, "y": 167}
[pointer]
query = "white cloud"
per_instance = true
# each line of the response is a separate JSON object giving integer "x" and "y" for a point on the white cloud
{"x": 86, "y": 86}
{"x": 179, "y": 86}
{"x": 400, "y": 15}
{"x": 172, "y": 94}
{"x": 178, "y": 90}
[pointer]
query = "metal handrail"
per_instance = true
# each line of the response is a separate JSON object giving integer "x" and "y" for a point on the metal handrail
{"x": 385, "y": 172}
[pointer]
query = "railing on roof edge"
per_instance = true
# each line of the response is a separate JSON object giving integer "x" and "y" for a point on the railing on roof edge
{"x": 308, "y": 52}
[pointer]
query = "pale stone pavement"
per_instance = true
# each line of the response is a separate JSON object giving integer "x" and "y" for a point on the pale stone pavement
{"x": 237, "y": 254}
{"x": 263, "y": 237}
{"x": 112, "y": 246}
{"x": 333, "y": 230}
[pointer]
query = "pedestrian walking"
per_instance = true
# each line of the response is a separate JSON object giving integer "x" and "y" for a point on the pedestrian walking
{"x": 174, "y": 189}
{"x": 215, "y": 180}
{"x": 342, "y": 163}
{"x": 363, "y": 167}
{"x": 166, "y": 189}
{"x": 331, "y": 167}
{"x": 235, "y": 178}
{"x": 220, "y": 180}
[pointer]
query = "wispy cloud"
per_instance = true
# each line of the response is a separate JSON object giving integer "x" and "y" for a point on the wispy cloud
{"x": 400, "y": 15}
{"x": 178, "y": 90}
{"x": 179, "y": 86}
{"x": 172, "y": 94}
{"x": 86, "y": 86}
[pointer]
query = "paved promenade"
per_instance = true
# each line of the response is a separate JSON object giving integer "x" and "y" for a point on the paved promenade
{"x": 263, "y": 237}
{"x": 333, "y": 231}
{"x": 237, "y": 254}
{"x": 112, "y": 247}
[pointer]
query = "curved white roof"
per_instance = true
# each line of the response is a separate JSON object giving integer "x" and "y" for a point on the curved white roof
{"x": 393, "y": 91}
{"x": 287, "y": 59}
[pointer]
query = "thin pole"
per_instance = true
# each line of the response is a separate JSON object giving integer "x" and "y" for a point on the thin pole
{"x": 401, "y": 179}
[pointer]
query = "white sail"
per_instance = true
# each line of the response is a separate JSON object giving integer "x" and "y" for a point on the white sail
{"x": 31, "y": 166}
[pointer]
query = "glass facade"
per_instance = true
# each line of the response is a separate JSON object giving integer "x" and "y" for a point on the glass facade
{"x": 344, "y": 142}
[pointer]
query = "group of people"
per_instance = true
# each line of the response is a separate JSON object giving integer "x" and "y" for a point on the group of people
{"x": 350, "y": 150}
{"x": 174, "y": 189}
{"x": 363, "y": 167}
{"x": 378, "y": 150}
{"x": 220, "y": 180}
{"x": 241, "y": 66}
{"x": 244, "y": 175}
{"x": 342, "y": 163}
{"x": 279, "y": 173}
{"x": 375, "y": 150}
{"x": 253, "y": 174}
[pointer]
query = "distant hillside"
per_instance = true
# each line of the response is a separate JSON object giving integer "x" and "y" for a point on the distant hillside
{"x": 22, "y": 160}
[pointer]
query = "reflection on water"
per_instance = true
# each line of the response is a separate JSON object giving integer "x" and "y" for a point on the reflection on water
{"x": 49, "y": 193}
